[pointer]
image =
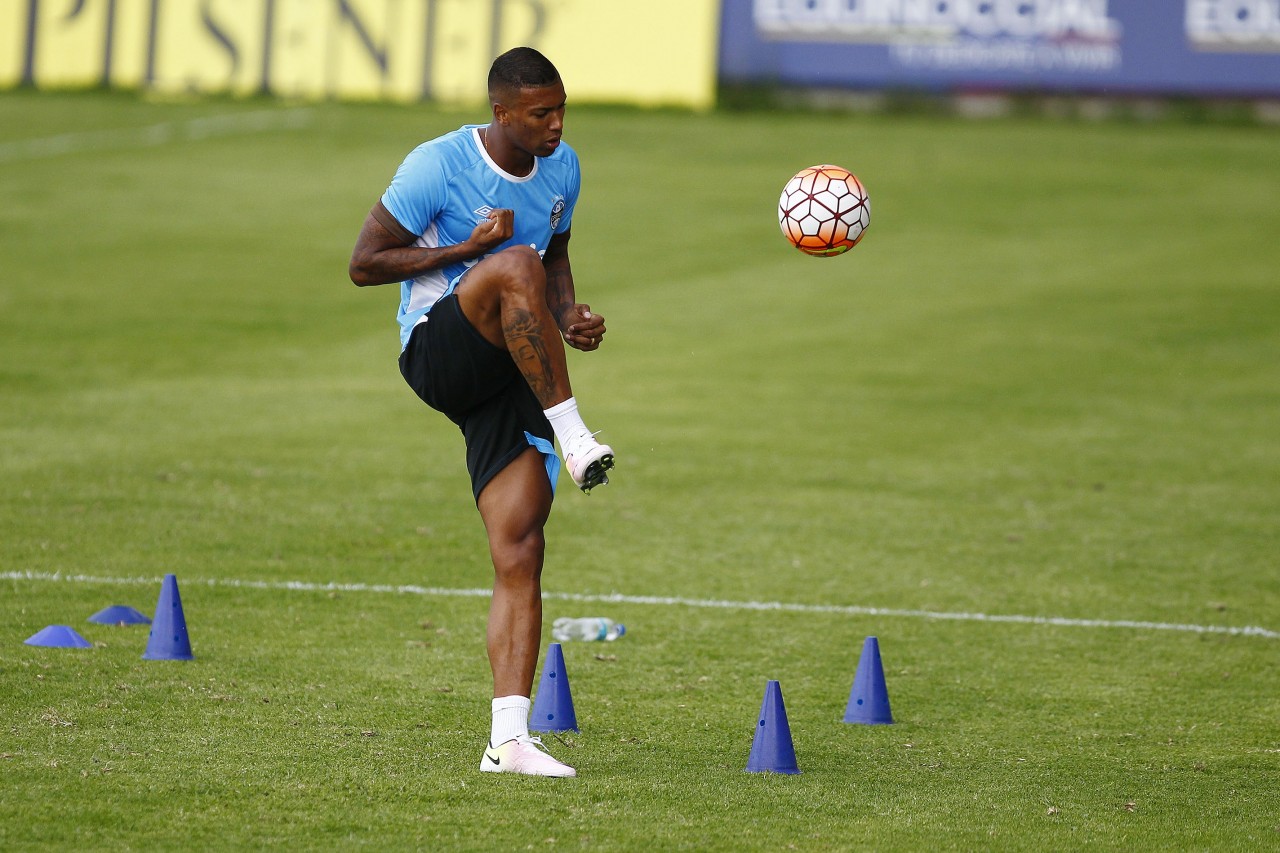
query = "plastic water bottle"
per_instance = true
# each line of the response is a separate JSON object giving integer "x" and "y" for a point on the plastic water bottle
{"x": 586, "y": 628}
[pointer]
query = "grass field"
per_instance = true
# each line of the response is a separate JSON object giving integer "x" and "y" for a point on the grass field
{"x": 1045, "y": 385}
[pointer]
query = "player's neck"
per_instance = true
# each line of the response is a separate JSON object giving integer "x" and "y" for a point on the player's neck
{"x": 508, "y": 159}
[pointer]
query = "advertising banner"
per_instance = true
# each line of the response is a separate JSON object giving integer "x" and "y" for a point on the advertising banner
{"x": 1194, "y": 47}
{"x": 660, "y": 52}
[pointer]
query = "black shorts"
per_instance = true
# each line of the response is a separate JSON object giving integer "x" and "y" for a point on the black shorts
{"x": 455, "y": 370}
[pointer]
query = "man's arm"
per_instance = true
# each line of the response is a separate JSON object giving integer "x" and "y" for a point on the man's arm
{"x": 581, "y": 328}
{"x": 384, "y": 251}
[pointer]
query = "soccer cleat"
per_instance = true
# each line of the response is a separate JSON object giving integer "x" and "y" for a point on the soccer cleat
{"x": 523, "y": 755}
{"x": 590, "y": 468}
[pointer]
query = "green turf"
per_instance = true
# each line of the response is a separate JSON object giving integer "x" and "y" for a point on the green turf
{"x": 1046, "y": 384}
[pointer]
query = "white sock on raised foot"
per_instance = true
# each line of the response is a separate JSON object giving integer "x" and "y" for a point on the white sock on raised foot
{"x": 510, "y": 719}
{"x": 567, "y": 424}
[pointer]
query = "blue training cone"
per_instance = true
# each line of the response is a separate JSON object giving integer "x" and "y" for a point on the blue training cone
{"x": 58, "y": 637}
{"x": 869, "y": 699}
{"x": 553, "y": 706}
{"x": 772, "y": 750}
{"x": 119, "y": 614}
{"x": 168, "y": 640}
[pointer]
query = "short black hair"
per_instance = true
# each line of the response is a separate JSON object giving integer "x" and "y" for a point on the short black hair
{"x": 520, "y": 68}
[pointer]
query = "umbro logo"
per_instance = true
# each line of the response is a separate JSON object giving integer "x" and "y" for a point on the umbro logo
{"x": 483, "y": 212}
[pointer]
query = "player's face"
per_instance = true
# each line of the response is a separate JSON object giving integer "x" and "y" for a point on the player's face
{"x": 536, "y": 119}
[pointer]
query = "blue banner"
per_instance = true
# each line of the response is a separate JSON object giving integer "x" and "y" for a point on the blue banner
{"x": 1193, "y": 47}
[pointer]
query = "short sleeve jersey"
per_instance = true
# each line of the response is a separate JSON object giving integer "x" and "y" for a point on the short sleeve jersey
{"x": 447, "y": 186}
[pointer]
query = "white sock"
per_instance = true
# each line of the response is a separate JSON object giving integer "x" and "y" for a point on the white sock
{"x": 510, "y": 719}
{"x": 571, "y": 432}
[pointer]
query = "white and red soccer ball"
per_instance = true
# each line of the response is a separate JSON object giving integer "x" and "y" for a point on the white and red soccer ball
{"x": 824, "y": 210}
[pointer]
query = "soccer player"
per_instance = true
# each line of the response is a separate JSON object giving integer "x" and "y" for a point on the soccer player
{"x": 475, "y": 224}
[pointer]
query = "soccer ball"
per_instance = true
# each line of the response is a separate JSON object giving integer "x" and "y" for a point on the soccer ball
{"x": 824, "y": 211}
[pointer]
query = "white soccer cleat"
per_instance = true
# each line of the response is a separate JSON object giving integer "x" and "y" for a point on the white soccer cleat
{"x": 523, "y": 755}
{"x": 590, "y": 468}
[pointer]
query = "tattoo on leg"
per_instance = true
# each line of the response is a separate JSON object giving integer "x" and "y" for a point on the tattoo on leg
{"x": 524, "y": 334}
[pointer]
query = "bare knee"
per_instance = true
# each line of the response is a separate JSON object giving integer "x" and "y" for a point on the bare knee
{"x": 521, "y": 254}
{"x": 520, "y": 268}
{"x": 518, "y": 560}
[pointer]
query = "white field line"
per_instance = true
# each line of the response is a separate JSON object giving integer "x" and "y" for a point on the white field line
{"x": 664, "y": 601}
{"x": 191, "y": 130}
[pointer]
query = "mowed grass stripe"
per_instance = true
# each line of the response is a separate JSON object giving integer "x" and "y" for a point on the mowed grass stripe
{"x": 150, "y": 136}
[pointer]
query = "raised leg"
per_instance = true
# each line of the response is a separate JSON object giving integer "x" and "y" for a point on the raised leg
{"x": 505, "y": 298}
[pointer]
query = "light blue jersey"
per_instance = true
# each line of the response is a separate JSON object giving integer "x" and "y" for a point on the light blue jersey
{"x": 447, "y": 186}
